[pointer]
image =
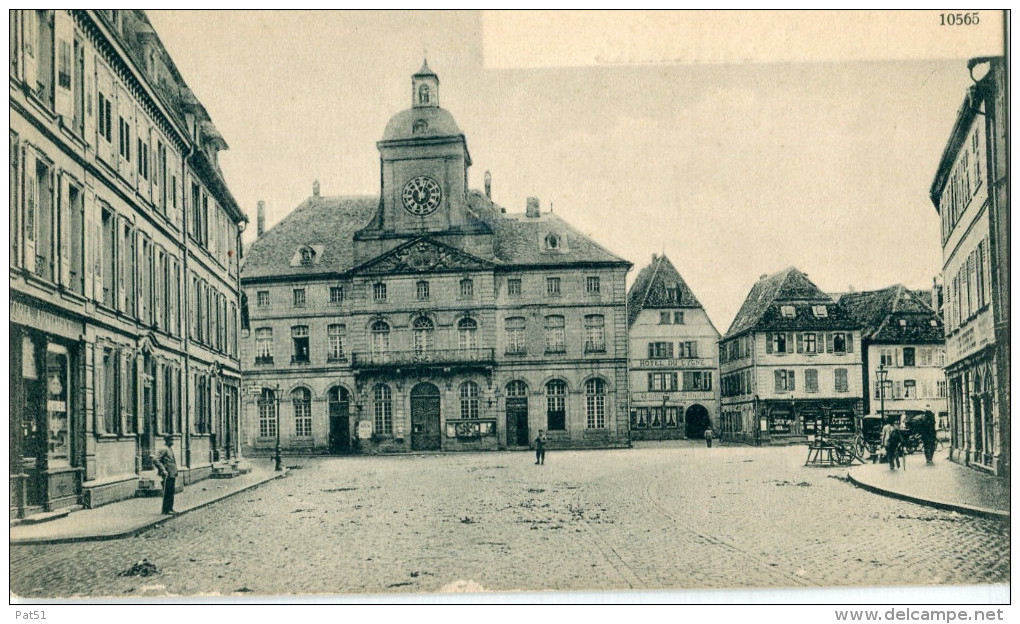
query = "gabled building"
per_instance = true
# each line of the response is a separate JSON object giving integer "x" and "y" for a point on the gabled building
{"x": 123, "y": 264}
{"x": 903, "y": 334}
{"x": 429, "y": 318}
{"x": 674, "y": 358}
{"x": 790, "y": 362}
{"x": 971, "y": 194}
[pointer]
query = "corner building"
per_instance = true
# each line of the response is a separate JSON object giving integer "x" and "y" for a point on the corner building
{"x": 124, "y": 273}
{"x": 429, "y": 318}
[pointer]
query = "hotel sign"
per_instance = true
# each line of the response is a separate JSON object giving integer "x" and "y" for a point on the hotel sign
{"x": 676, "y": 363}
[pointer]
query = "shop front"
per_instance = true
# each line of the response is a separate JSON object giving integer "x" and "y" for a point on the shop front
{"x": 46, "y": 421}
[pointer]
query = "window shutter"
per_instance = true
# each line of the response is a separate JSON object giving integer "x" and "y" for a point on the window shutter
{"x": 828, "y": 343}
{"x": 651, "y": 350}
{"x": 63, "y": 31}
{"x": 779, "y": 380}
{"x": 800, "y": 343}
{"x": 768, "y": 343}
{"x": 790, "y": 380}
{"x": 849, "y": 342}
{"x": 125, "y": 384}
{"x": 65, "y": 229}
{"x": 98, "y": 394}
{"x": 30, "y": 42}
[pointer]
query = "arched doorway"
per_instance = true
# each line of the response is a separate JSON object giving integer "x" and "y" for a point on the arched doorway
{"x": 425, "y": 433}
{"x": 339, "y": 420}
{"x": 697, "y": 421}
{"x": 517, "y": 414}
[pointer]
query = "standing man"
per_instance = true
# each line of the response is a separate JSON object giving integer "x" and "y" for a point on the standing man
{"x": 540, "y": 447}
{"x": 708, "y": 437}
{"x": 891, "y": 442}
{"x": 166, "y": 465}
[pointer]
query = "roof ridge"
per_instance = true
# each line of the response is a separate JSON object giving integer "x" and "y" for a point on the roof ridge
{"x": 651, "y": 281}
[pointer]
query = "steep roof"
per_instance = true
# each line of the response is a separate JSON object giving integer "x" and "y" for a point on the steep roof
{"x": 650, "y": 289}
{"x": 894, "y": 315}
{"x": 329, "y": 223}
{"x": 762, "y": 309}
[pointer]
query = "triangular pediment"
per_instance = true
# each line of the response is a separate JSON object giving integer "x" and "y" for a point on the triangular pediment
{"x": 422, "y": 255}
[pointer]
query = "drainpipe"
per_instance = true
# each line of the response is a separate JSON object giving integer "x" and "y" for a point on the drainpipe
{"x": 186, "y": 318}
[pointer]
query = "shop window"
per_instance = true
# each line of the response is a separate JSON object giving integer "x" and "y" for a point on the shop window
{"x": 842, "y": 383}
{"x": 335, "y": 334}
{"x": 422, "y": 290}
{"x": 555, "y": 334}
{"x": 592, "y": 285}
{"x": 467, "y": 288}
{"x": 513, "y": 287}
{"x": 299, "y": 335}
{"x": 594, "y": 333}
{"x": 467, "y": 334}
{"x": 267, "y": 414}
{"x": 515, "y": 340}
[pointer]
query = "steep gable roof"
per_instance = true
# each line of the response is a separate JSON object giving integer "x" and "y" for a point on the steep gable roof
{"x": 894, "y": 315}
{"x": 762, "y": 309}
{"x": 650, "y": 289}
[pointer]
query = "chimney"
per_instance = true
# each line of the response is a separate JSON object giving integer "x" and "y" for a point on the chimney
{"x": 763, "y": 276}
{"x": 488, "y": 186}
{"x": 654, "y": 257}
{"x": 315, "y": 188}
{"x": 532, "y": 211}
{"x": 261, "y": 219}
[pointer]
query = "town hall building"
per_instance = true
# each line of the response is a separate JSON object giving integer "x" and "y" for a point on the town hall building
{"x": 429, "y": 318}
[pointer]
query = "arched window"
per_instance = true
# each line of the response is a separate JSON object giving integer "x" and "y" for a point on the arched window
{"x": 267, "y": 414}
{"x": 467, "y": 333}
{"x": 423, "y": 94}
{"x": 380, "y": 337}
{"x": 469, "y": 400}
{"x": 595, "y": 403}
{"x": 552, "y": 241}
{"x": 302, "y": 400}
{"x": 517, "y": 388}
{"x": 594, "y": 333}
{"x": 423, "y": 331}
{"x": 382, "y": 406}
{"x": 556, "y": 405}
{"x": 515, "y": 343}
{"x": 335, "y": 333}
{"x": 307, "y": 255}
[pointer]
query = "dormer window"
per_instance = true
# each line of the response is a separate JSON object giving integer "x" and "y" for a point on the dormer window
{"x": 788, "y": 311}
{"x": 903, "y": 322}
{"x": 423, "y": 94}
{"x": 820, "y": 311}
{"x": 552, "y": 242}
{"x": 307, "y": 256}
{"x": 420, "y": 125}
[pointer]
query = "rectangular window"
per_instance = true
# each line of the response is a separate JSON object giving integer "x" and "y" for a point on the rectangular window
{"x": 513, "y": 287}
{"x": 264, "y": 346}
{"x": 594, "y": 333}
{"x": 664, "y": 318}
{"x": 262, "y": 299}
{"x": 660, "y": 350}
{"x": 515, "y": 342}
{"x": 336, "y": 341}
{"x": 592, "y": 285}
{"x": 842, "y": 384}
{"x": 336, "y": 294}
{"x": 555, "y": 334}
{"x": 299, "y": 297}
{"x": 552, "y": 286}
{"x": 908, "y": 356}
{"x": 422, "y": 290}
{"x": 811, "y": 380}
{"x": 810, "y": 342}
{"x": 467, "y": 288}
{"x": 299, "y": 334}
{"x": 379, "y": 291}
{"x": 688, "y": 349}
{"x": 779, "y": 343}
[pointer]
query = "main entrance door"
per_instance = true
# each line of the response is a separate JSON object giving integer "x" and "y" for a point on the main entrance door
{"x": 425, "y": 433}
{"x": 516, "y": 414}
{"x": 339, "y": 420}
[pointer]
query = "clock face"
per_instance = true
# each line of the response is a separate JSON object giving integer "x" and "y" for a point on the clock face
{"x": 422, "y": 196}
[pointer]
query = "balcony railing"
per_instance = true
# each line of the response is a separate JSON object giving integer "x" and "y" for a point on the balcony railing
{"x": 423, "y": 358}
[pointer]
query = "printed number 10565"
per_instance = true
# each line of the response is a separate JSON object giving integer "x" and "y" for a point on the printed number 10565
{"x": 29, "y": 615}
{"x": 959, "y": 19}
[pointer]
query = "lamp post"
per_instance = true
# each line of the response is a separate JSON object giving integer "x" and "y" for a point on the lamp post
{"x": 882, "y": 375}
{"x": 276, "y": 393}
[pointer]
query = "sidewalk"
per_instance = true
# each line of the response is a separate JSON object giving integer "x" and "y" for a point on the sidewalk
{"x": 945, "y": 485}
{"x": 135, "y": 515}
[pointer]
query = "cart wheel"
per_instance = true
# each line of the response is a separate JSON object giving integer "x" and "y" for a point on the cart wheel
{"x": 844, "y": 455}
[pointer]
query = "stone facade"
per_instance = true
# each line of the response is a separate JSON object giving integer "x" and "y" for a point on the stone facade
{"x": 971, "y": 194}
{"x": 428, "y": 318}
{"x": 109, "y": 254}
{"x": 674, "y": 358}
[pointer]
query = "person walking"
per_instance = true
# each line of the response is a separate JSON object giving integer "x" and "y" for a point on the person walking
{"x": 891, "y": 443}
{"x": 708, "y": 437}
{"x": 166, "y": 465}
{"x": 540, "y": 448}
{"x": 929, "y": 438}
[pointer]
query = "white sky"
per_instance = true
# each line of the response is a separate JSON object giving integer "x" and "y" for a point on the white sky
{"x": 733, "y": 170}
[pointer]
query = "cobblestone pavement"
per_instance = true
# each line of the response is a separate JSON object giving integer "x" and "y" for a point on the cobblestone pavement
{"x": 678, "y": 516}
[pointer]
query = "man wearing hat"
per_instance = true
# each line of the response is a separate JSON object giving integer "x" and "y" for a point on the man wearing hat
{"x": 166, "y": 465}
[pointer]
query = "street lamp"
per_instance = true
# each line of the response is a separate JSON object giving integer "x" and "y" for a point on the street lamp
{"x": 882, "y": 375}
{"x": 276, "y": 393}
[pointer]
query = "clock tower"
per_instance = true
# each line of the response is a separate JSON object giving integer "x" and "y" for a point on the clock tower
{"x": 423, "y": 159}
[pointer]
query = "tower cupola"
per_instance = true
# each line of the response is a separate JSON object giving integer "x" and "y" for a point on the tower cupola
{"x": 425, "y": 87}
